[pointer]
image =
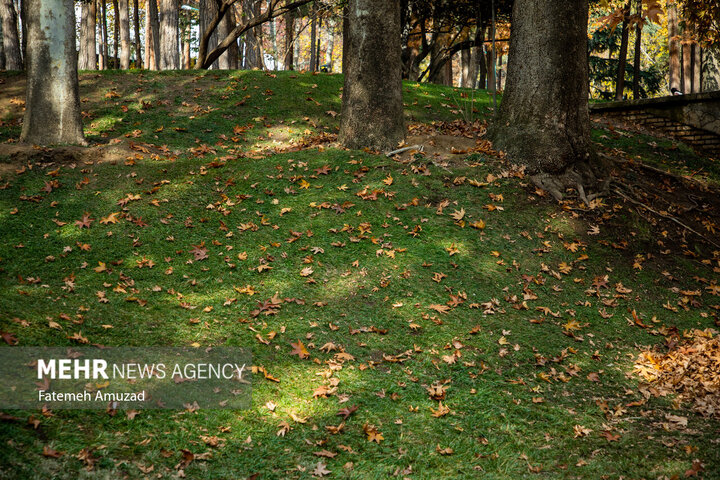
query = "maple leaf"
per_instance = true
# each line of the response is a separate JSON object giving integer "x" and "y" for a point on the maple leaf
{"x": 321, "y": 470}
{"x": 347, "y": 411}
{"x": 439, "y": 308}
{"x": 299, "y": 350}
{"x": 458, "y": 214}
{"x": 306, "y": 272}
{"x": 85, "y": 221}
{"x": 199, "y": 251}
{"x": 112, "y": 218}
{"x": 373, "y": 434}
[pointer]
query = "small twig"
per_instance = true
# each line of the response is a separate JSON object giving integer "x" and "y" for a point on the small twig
{"x": 669, "y": 217}
{"x": 405, "y": 149}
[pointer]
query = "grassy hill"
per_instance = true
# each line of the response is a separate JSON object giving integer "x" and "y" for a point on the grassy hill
{"x": 432, "y": 272}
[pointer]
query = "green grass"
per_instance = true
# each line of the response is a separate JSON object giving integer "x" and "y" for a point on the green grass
{"x": 495, "y": 428}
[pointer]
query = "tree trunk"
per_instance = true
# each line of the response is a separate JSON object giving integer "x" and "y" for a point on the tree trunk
{"x": 687, "y": 72}
{"x": 116, "y": 35}
{"x": 372, "y": 107}
{"x": 124, "y": 15}
{"x": 638, "y": 52}
{"x": 185, "y": 40}
{"x": 152, "y": 35}
{"x": 673, "y": 46}
{"x": 229, "y": 59}
{"x": 169, "y": 55}
{"x": 11, "y": 39}
{"x": 52, "y": 113}
{"x": 543, "y": 121}
{"x": 620, "y": 80}
{"x": 345, "y": 40}
{"x": 104, "y": 35}
{"x": 252, "y": 49}
{"x": 697, "y": 68}
{"x": 465, "y": 65}
{"x": 87, "y": 59}
{"x": 289, "y": 40}
{"x": 313, "y": 39}
{"x": 208, "y": 10}
{"x": 138, "y": 45}
{"x": 330, "y": 45}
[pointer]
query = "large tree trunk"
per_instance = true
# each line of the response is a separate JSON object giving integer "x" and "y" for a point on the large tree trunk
{"x": 152, "y": 35}
{"x": 52, "y": 113}
{"x": 543, "y": 121}
{"x": 138, "y": 45}
{"x": 252, "y": 48}
{"x": 87, "y": 59}
{"x": 169, "y": 54}
{"x": 625, "y": 38}
{"x": 372, "y": 107}
{"x": 289, "y": 40}
{"x": 208, "y": 10}
{"x": 124, "y": 17}
{"x": 11, "y": 39}
{"x": 673, "y": 46}
{"x": 229, "y": 59}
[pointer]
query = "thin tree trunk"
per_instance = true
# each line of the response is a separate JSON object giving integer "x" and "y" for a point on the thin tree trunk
{"x": 330, "y": 46}
{"x": 11, "y": 39}
{"x": 124, "y": 15}
{"x": 697, "y": 68}
{"x": 687, "y": 71}
{"x": 620, "y": 80}
{"x": 673, "y": 46}
{"x": 273, "y": 41}
{"x": 543, "y": 121}
{"x": 152, "y": 40}
{"x": 313, "y": 38}
{"x": 251, "y": 41}
{"x": 289, "y": 40}
{"x": 52, "y": 113}
{"x": 87, "y": 59}
{"x": 104, "y": 34}
{"x": 465, "y": 63}
{"x": 116, "y": 35}
{"x": 638, "y": 52}
{"x": 372, "y": 108}
{"x": 169, "y": 54}
{"x": 345, "y": 40}
{"x": 138, "y": 45}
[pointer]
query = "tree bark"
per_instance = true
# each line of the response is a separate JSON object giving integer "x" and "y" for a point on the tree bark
{"x": 124, "y": 18}
{"x": 138, "y": 45}
{"x": 104, "y": 35}
{"x": 289, "y": 40}
{"x": 116, "y": 35}
{"x": 208, "y": 10}
{"x": 673, "y": 46}
{"x": 697, "y": 68}
{"x": 638, "y": 52}
{"x": 86, "y": 58}
{"x": 52, "y": 113}
{"x": 313, "y": 39}
{"x": 11, "y": 39}
{"x": 620, "y": 80}
{"x": 687, "y": 72}
{"x": 152, "y": 35}
{"x": 169, "y": 55}
{"x": 345, "y": 40}
{"x": 372, "y": 107}
{"x": 544, "y": 121}
{"x": 252, "y": 49}
{"x": 229, "y": 59}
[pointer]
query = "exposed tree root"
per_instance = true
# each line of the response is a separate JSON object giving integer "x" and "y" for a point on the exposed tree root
{"x": 579, "y": 177}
